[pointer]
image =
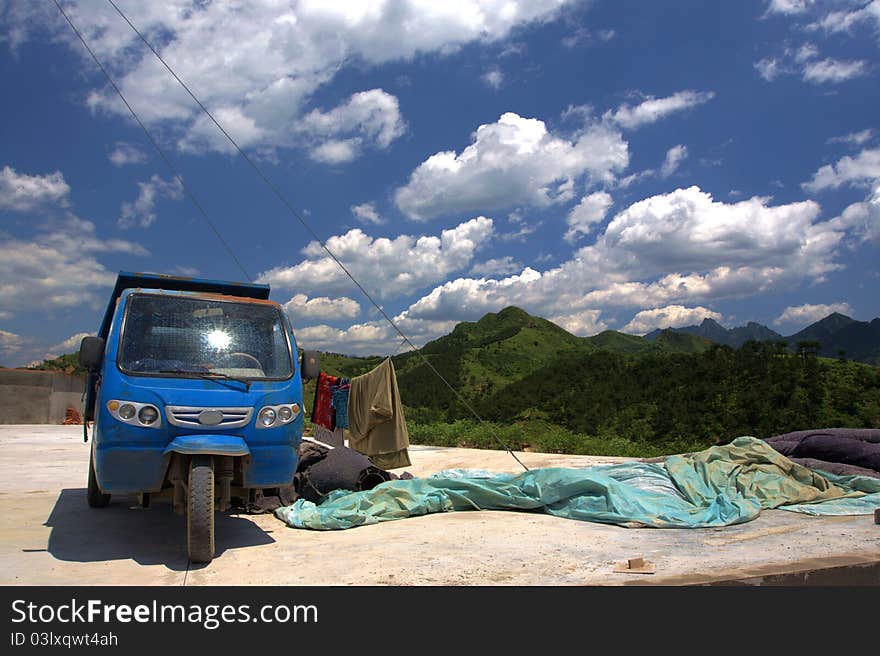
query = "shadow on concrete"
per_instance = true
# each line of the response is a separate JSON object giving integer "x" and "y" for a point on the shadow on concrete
{"x": 123, "y": 530}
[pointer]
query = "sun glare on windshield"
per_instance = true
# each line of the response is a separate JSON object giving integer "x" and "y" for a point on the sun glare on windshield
{"x": 218, "y": 339}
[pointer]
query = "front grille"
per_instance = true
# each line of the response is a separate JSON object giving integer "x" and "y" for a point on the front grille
{"x": 193, "y": 417}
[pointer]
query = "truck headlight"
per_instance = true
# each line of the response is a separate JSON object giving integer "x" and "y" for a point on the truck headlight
{"x": 271, "y": 416}
{"x": 145, "y": 415}
{"x": 266, "y": 417}
{"x": 148, "y": 415}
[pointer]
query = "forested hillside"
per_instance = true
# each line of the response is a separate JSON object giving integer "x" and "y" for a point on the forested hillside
{"x": 614, "y": 393}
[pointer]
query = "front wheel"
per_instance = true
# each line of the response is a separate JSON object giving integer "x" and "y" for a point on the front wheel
{"x": 96, "y": 498}
{"x": 200, "y": 510}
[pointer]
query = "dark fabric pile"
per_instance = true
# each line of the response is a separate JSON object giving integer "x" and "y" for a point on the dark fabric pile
{"x": 322, "y": 470}
{"x": 841, "y": 451}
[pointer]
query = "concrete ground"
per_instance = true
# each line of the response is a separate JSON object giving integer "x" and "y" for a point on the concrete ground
{"x": 49, "y": 536}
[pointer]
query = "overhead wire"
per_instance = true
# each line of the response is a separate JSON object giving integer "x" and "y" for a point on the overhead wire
{"x": 156, "y": 145}
{"x": 297, "y": 215}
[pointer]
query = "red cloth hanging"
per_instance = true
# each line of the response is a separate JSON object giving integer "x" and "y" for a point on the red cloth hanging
{"x": 323, "y": 413}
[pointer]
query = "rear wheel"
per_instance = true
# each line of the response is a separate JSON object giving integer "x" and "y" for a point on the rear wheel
{"x": 200, "y": 510}
{"x": 96, "y": 498}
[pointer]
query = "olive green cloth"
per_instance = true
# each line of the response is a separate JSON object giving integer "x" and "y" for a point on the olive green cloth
{"x": 376, "y": 424}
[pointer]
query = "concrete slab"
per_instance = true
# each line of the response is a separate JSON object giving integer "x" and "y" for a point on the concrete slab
{"x": 48, "y": 536}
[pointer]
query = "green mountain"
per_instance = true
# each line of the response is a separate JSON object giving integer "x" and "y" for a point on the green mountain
{"x": 837, "y": 335}
{"x": 715, "y": 332}
{"x": 617, "y": 342}
{"x": 671, "y": 341}
{"x": 823, "y": 330}
{"x": 477, "y": 358}
{"x": 858, "y": 340}
{"x": 480, "y": 358}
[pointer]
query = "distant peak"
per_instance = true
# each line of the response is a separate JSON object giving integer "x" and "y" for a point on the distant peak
{"x": 710, "y": 322}
{"x": 512, "y": 310}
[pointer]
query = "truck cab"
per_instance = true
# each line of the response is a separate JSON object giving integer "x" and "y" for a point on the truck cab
{"x": 195, "y": 391}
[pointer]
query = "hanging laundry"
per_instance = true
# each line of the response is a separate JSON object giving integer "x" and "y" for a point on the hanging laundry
{"x": 334, "y": 438}
{"x": 339, "y": 402}
{"x": 376, "y": 424}
{"x": 322, "y": 410}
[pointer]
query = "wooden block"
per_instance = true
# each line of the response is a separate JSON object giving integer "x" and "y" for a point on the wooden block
{"x": 635, "y": 566}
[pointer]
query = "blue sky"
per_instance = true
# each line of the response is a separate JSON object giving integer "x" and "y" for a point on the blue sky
{"x": 625, "y": 165}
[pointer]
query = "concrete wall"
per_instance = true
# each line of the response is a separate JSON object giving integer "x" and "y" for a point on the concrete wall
{"x": 38, "y": 397}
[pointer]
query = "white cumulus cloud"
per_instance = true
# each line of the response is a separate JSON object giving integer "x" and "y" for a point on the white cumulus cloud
{"x": 653, "y": 109}
{"x": 373, "y": 337}
{"x": 802, "y": 315}
{"x": 586, "y": 214}
{"x": 860, "y": 169}
{"x": 300, "y": 307}
{"x": 496, "y": 267}
{"x": 69, "y": 345}
{"x": 834, "y": 70}
{"x": 769, "y": 68}
{"x": 789, "y": 7}
{"x": 515, "y": 161}
{"x": 336, "y": 151}
{"x": 10, "y": 343}
{"x": 859, "y": 138}
{"x": 671, "y": 316}
{"x": 366, "y": 213}
{"x": 585, "y": 323}
{"x": 862, "y": 219}
{"x": 674, "y": 157}
{"x": 57, "y": 267}
{"x": 374, "y": 116}
{"x": 676, "y": 248}
{"x": 805, "y": 60}
{"x": 26, "y": 193}
{"x": 386, "y": 267}
{"x": 142, "y": 212}
{"x": 687, "y": 230}
{"x": 844, "y": 20}
{"x": 124, "y": 153}
{"x": 493, "y": 78}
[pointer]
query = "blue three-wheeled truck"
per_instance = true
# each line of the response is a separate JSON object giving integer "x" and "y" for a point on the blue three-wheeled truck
{"x": 195, "y": 391}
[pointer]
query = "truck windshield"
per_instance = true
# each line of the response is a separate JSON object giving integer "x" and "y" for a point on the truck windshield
{"x": 180, "y": 335}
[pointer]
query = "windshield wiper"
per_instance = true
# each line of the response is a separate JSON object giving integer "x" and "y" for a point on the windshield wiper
{"x": 209, "y": 375}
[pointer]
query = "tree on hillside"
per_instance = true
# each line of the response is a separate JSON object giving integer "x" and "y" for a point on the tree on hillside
{"x": 808, "y": 348}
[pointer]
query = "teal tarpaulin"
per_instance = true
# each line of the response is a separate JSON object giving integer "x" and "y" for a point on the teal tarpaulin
{"x": 719, "y": 486}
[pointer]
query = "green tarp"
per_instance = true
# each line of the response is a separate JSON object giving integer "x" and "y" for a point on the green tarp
{"x": 719, "y": 486}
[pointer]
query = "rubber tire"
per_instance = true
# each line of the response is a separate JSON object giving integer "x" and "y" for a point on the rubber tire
{"x": 200, "y": 510}
{"x": 95, "y": 497}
